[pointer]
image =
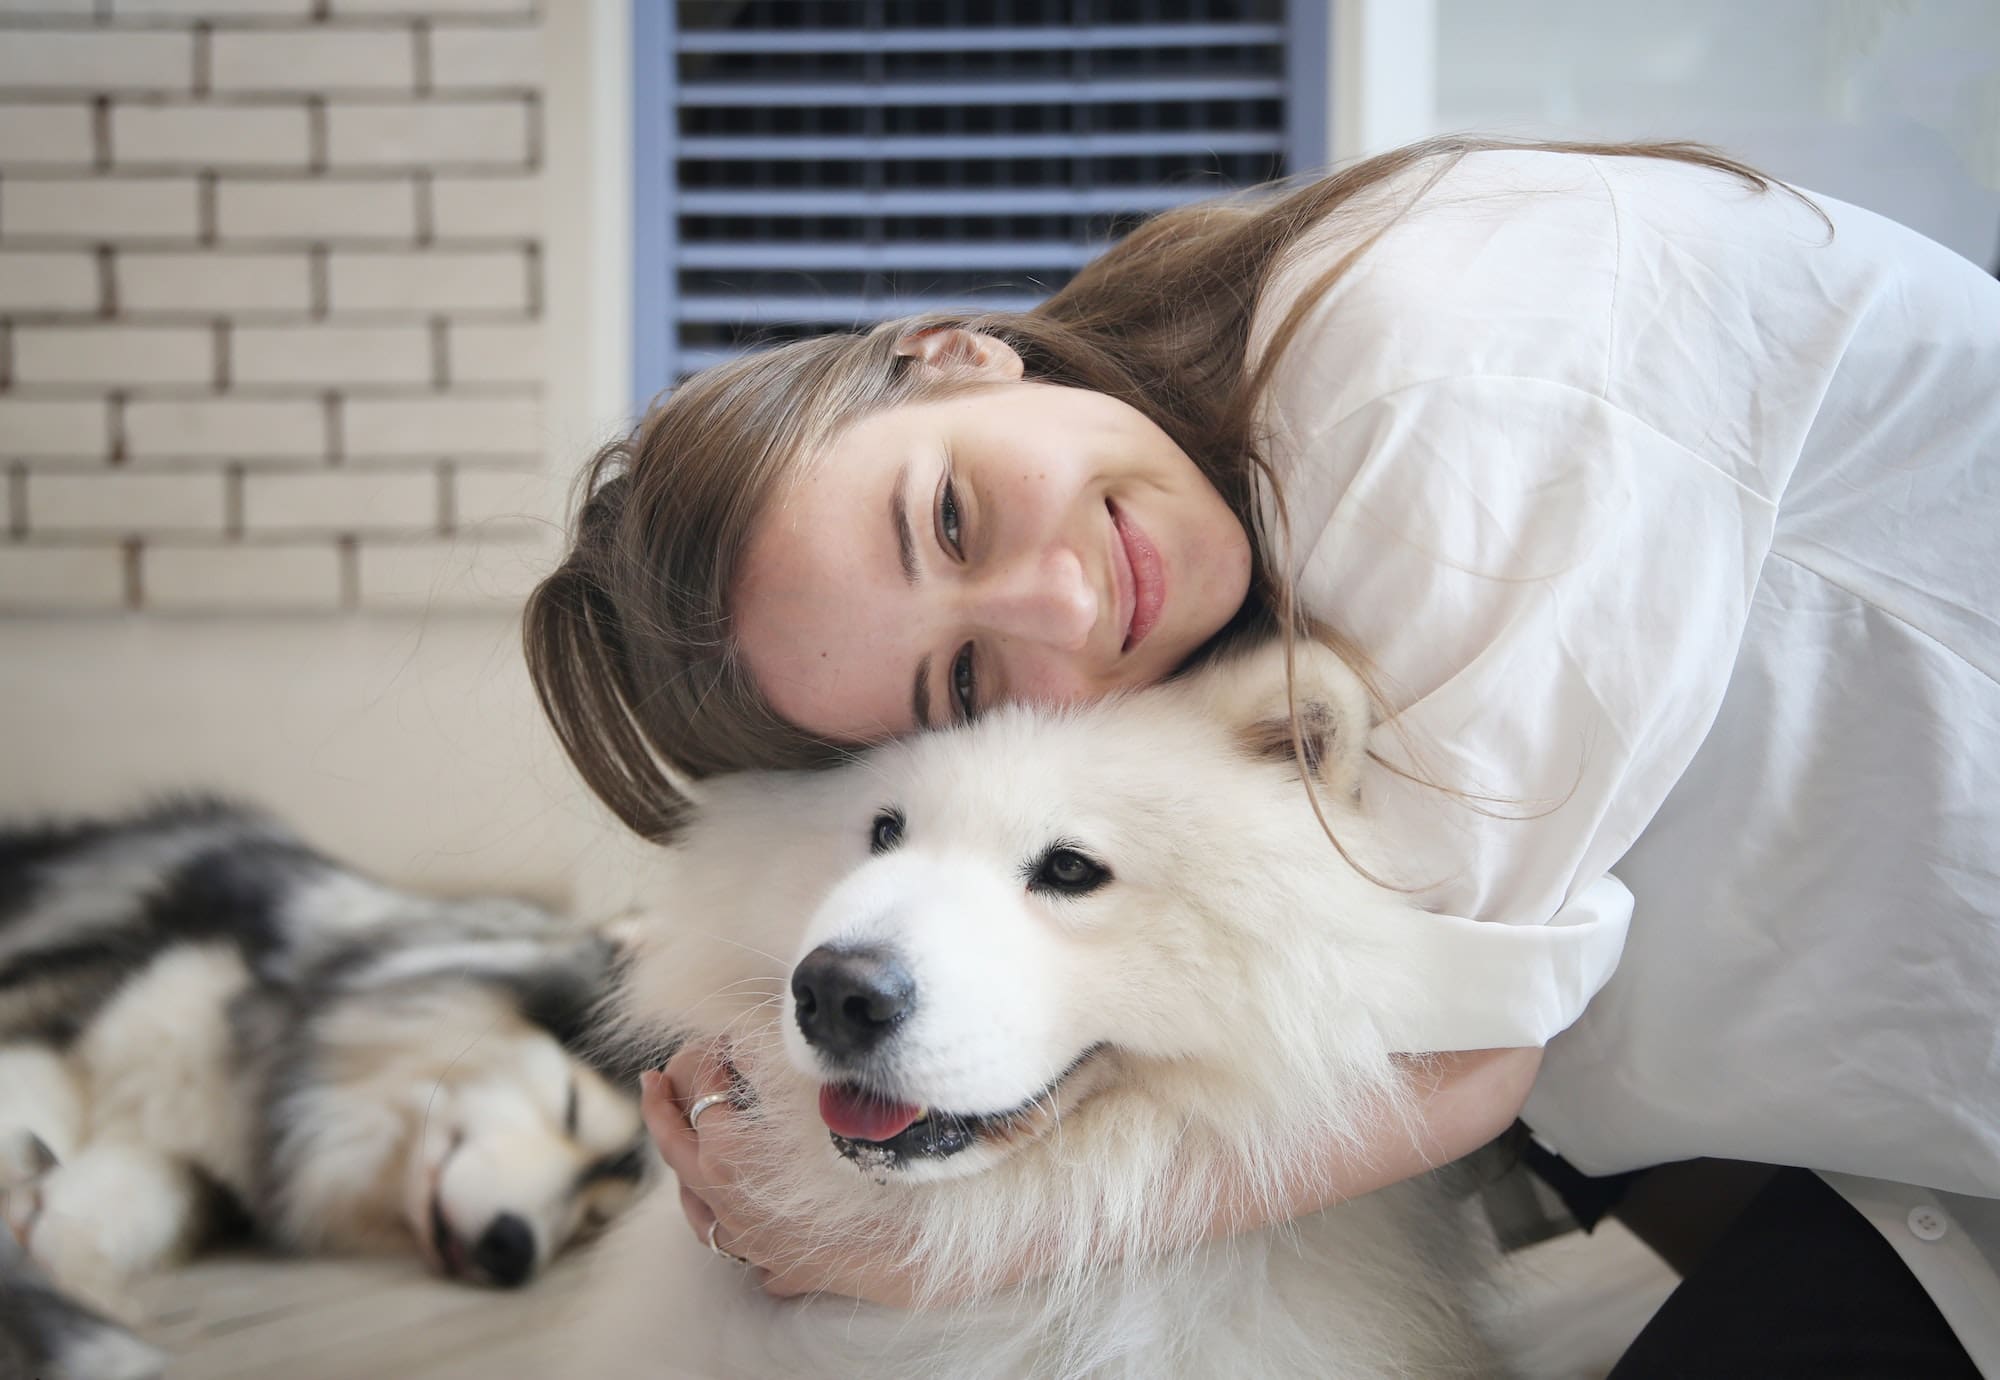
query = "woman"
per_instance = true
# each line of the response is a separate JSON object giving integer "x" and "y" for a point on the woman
{"x": 1650, "y": 498}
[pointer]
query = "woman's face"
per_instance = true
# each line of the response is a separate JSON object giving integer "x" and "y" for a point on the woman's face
{"x": 1022, "y": 541}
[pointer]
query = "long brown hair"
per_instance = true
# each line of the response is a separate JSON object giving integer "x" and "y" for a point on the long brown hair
{"x": 628, "y": 641}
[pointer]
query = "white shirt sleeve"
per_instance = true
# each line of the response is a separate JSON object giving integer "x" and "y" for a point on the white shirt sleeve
{"x": 1550, "y": 593}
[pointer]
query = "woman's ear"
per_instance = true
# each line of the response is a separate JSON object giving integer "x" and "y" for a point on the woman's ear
{"x": 955, "y": 350}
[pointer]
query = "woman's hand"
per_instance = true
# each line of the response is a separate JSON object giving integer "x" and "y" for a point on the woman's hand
{"x": 1464, "y": 1100}
{"x": 705, "y": 1161}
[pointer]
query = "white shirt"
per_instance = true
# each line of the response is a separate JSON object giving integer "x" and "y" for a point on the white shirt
{"x": 1673, "y": 526}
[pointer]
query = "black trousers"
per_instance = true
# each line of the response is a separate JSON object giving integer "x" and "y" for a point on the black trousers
{"x": 1800, "y": 1286}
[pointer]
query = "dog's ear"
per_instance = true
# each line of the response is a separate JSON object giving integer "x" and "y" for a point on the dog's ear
{"x": 1333, "y": 713}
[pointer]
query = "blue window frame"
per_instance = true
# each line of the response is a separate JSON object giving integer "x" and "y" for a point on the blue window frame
{"x": 811, "y": 165}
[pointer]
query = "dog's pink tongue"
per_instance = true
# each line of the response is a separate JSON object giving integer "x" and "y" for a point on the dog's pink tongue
{"x": 858, "y": 1116}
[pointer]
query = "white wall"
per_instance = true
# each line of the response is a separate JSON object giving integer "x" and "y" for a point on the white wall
{"x": 1890, "y": 104}
{"x": 302, "y": 333}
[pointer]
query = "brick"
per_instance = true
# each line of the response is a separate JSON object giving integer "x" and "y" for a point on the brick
{"x": 241, "y": 578}
{"x": 448, "y": 425}
{"x": 43, "y": 135}
{"x": 485, "y": 57}
{"x": 230, "y": 281}
{"x": 487, "y": 207}
{"x": 210, "y": 136}
{"x": 209, "y": 9}
{"x": 49, "y": 282}
{"x": 418, "y": 134}
{"x": 99, "y": 60}
{"x": 100, "y": 207}
{"x": 345, "y": 500}
{"x": 124, "y": 501}
{"x": 314, "y": 60}
{"x": 320, "y": 354}
{"x": 484, "y": 496}
{"x": 113, "y": 354}
{"x": 67, "y": 428}
{"x": 428, "y": 281}
{"x": 425, "y": 9}
{"x": 66, "y": 578}
{"x": 476, "y": 352}
{"x": 316, "y": 210}
{"x": 484, "y": 572}
{"x": 239, "y": 428}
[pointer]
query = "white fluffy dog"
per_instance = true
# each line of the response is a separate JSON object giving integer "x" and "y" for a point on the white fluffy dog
{"x": 1037, "y": 987}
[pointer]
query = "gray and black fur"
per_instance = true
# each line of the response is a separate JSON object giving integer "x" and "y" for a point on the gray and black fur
{"x": 88, "y": 909}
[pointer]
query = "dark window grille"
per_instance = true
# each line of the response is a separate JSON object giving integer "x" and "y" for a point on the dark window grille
{"x": 806, "y": 166}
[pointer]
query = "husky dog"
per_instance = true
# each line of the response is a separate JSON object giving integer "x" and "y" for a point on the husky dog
{"x": 1031, "y": 989}
{"x": 201, "y": 1017}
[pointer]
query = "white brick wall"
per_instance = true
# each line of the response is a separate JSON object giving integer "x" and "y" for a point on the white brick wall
{"x": 247, "y": 578}
{"x": 342, "y": 500}
{"x": 418, "y": 134}
{"x": 38, "y": 58}
{"x": 211, "y": 135}
{"x": 269, "y": 306}
{"x": 65, "y": 282}
{"x": 127, "y": 501}
{"x": 47, "y": 579}
{"x": 314, "y": 59}
{"x": 34, "y": 136}
{"x": 31, "y": 428}
{"x": 317, "y": 211}
{"x": 242, "y": 428}
{"x": 238, "y": 284}
{"x": 113, "y": 355}
{"x": 435, "y": 280}
{"x": 98, "y": 208}
{"x": 354, "y": 354}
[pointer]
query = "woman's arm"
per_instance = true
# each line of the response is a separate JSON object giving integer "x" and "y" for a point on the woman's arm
{"x": 1463, "y": 1101}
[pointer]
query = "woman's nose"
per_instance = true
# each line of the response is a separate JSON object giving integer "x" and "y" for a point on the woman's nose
{"x": 1048, "y": 600}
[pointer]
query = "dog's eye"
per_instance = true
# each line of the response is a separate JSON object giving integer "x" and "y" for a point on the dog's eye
{"x": 1067, "y": 872}
{"x": 887, "y": 831}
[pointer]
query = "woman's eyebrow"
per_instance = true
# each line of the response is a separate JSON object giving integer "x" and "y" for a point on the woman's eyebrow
{"x": 899, "y": 518}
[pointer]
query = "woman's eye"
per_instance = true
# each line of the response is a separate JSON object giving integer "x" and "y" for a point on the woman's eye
{"x": 948, "y": 520}
{"x": 963, "y": 685}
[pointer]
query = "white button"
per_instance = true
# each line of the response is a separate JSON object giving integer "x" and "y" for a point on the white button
{"x": 1928, "y": 1224}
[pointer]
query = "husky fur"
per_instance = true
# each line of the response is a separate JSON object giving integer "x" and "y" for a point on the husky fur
{"x": 202, "y": 1019}
{"x": 1096, "y": 1059}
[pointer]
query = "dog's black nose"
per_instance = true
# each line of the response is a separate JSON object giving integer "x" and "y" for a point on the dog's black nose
{"x": 848, "y": 1000}
{"x": 506, "y": 1251}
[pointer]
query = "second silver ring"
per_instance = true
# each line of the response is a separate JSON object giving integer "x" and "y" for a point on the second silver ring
{"x": 700, "y": 1105}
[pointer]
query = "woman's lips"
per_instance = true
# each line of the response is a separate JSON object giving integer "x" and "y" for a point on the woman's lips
{"x": 1148, "y": 583}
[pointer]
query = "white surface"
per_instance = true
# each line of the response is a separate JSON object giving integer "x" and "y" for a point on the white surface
{"x": 1892, "y": 106}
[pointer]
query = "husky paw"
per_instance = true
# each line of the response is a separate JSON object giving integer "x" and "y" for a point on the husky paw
{"x": 65, "y": 1250}
{"x": 109, "y": 1214}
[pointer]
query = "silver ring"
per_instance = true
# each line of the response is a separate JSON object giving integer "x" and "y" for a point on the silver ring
{"x": 702, "y": 1104}
{"x": 713, "y": 1246}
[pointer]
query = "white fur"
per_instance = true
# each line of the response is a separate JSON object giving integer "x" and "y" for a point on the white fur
{"x": 1230, "y": 974}
{"x": 420, "y": 1085}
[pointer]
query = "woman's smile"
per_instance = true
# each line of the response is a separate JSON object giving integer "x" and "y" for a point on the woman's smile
{"x": 1142, "y": 580}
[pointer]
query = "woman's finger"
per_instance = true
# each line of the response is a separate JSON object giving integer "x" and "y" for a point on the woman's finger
{"x": 690, "y": 1077}
{"x": 697, "y": 1212}
{"x": 666, "y": 1121}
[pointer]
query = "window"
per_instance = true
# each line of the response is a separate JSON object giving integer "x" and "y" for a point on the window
{"x": 806, "y": 166}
